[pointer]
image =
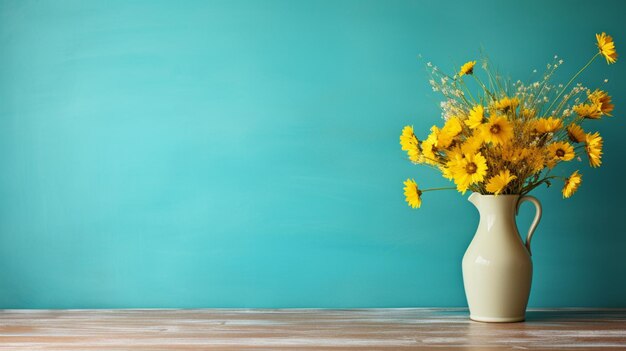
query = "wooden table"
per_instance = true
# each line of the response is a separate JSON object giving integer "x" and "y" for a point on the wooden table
{"x": 307, "y": 329}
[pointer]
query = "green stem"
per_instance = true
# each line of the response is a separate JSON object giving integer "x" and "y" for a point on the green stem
{"x": 467, "y": 89}
{"x": 570, "y": 81}
{"x": 483, "y": 86}
{"x": 529, "y": 187}
{"x": 456, "y": 86}
{"x": 433, "y": 189}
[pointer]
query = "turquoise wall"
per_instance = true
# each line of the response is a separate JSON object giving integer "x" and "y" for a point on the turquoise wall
{"x": 245, "y": 153}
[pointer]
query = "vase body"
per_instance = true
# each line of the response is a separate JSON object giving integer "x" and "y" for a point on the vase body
{"x": 497, "y": 266}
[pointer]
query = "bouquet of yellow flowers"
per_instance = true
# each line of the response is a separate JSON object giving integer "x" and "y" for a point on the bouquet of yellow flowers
{"x": 509, "y": 138}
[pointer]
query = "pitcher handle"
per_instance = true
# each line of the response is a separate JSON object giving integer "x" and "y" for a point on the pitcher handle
{"x": 535, "y": 222}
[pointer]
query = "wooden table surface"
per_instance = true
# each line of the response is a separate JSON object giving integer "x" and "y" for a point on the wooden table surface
{"x": 307, "y": 329}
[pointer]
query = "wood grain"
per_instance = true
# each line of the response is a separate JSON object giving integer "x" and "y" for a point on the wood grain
{"x": 307, "y": 329}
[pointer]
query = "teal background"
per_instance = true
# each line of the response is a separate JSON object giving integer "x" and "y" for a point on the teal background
{"x": 245, "y": 153}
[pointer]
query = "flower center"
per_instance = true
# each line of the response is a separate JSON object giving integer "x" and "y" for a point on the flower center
{"x": 495, "y": 129}
{"x": 471, "y": 168}
{"x": 560, "y": 153}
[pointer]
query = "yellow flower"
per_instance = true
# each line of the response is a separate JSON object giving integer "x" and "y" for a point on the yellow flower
{"x": 536, "y": 160}
{"x": 527, "y": 158}
{"x": 414, "y": 154}
{"x": 591, "y": 111}
{"x": 468, "y": 170}
{"x": 594, "y": 149}
{"x": 506, "y": 104}
{"x": 410, "y": 144}
{"x": 450, "y": 130}
{"x": 476, "y": 117}
{"x": 561, "y": 151}
{"x": 576, "y": 133}
{"x": 407, "y": 138}
{"x": 498, "y": 182}
{"x": 446, "y": 172}
{"x": 527, "y": 112}
{"x": 412, "y": 193}
{"x": 472, "y": 144}
{"x": 429, "y": 147}
{"x": 514, "y": 154}
{"x": 606, "y": 47}
{"x": 467, "y": 68}
{"x": 602, "y": 100}
{"x": 547, "y": 125}
{"x": 571, "y": 184}
{"x": 497, "y": 130}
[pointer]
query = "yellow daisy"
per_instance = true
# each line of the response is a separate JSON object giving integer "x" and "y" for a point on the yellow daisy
{"x": 414, "y": 154}
{"x": 527, "y": 112}
{"x": 472, "y": 144}
{"x": 594, "y": 149}
{"x": 498, "y": 182}
{"x": 506, "y": 104}
{"x": 498, "y": 130}
{"x": 536, "y": 160}
{"x": 476, "y": 117}
{"x": 467, "y": 68}
{"x": 468, "y": 170}
{"x": 602, "y": 100}
{"x": 575, "y": 133}
{"x": 450, "y": 130}
{"x": 547, "y": 125}
{"x": 408, "y": 138}
{"x": 524, "y": 159}
{"x": 571, "y": 184}
{"x": 429, "y": 147}
{"x": 561, "y": 151}
{"x": 514, "y": 154}
{"x": 446, "y": 172}
{"x": 412, "y": 193}
{"x": 410, "y": 144}
{"x": 590, "y": 111}
{"x": 606, "y": 47}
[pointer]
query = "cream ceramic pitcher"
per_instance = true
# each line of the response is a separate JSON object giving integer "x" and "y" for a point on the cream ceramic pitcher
{"x": 497, "y": 267}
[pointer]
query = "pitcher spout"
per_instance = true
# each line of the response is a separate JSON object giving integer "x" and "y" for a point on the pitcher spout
{"x": 473, "y": 198}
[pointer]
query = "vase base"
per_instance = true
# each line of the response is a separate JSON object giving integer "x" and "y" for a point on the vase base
{"x": 497, "y": 319}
